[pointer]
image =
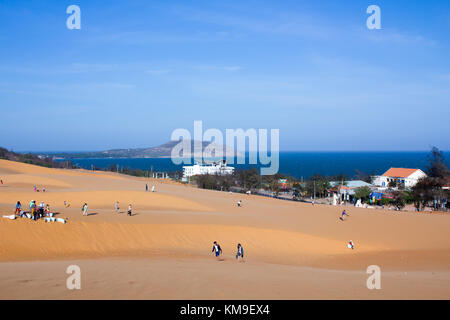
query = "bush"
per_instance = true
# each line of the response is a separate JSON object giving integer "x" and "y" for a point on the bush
{"x": 362, "y": 193}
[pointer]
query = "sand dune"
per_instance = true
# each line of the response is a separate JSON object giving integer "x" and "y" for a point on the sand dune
{"x": 173, "y": 229}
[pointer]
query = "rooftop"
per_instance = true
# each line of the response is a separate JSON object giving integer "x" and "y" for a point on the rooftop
{"x": 351, "y": 184}
{"x": 399, "y": 172}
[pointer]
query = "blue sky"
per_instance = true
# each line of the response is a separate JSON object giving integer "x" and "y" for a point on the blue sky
{"x": 137, "y": 70}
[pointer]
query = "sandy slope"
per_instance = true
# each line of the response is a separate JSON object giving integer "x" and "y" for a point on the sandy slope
{"x": 163, "y": 250}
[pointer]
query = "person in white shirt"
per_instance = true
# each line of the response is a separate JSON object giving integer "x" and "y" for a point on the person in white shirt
{"x": 240, "y": 251}
{"x": 85, "y": 209}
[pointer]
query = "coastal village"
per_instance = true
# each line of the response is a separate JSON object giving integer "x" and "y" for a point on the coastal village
{"x": 392, "y": 190}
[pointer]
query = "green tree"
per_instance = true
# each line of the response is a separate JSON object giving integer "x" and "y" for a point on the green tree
{"x": 318, "y": 183}
{"x": 392, "y": 184}
{"x": 362, "y": 193}
{"x": 399, "y": 199}
{"x": 437, "y": 167}
{"x": 430, "y": 188}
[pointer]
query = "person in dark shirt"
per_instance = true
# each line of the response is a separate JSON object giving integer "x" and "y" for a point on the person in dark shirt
{"x": 217, "y": 249}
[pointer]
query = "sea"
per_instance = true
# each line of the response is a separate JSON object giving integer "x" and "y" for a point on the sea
{"x": 296, "y": 164}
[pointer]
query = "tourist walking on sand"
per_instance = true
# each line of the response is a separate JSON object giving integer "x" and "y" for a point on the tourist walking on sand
{"x": 33, "y": 209}
{"x": 350, "y": 245}
{"x": 130, "y": 210}
{"x": 146, "y": 187}
{"x": 153, "y": 188}
{"x": 240, "y": 252}
{"x": 116, "y": 206}
{"x": 217, "y": 249}
{"x": 343, "y": 214}
{"x": 85, "y": 209}
{"x": 18, "y": 207}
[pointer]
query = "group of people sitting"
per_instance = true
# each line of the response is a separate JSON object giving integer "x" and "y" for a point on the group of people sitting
{"x": 36, "y": 211}
{"x": 36, "y": 189}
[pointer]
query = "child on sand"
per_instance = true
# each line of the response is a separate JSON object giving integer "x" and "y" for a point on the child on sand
{"x": 217, "y": 249}
{"x": 240, "y": 252}
{"x": 343, "y": 214}
{"x": 239, "y": 203}
{"x": 350, "y": 245}
{"x": 18, "y": 207}
{"x": 85, "y": 209}
{"x": 130, "y": 209}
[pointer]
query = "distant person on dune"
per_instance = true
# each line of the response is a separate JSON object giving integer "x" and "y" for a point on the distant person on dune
{"x": 41, "y": 209}
{"x": 240, "y": 252}
{"x": 343, "y": 215}
{"x": 153, "y": 188}
{"x": 85, "y": 209}
{"x": 66, "y": 204}
{"x": 130, "y": 210}
{"x": 33, "y": 209}
{"x": 116, "y": 206}
{"x": 1, "y": 181}
{"x": 18, "y": 207}
{"x": 217, "y": 249}
{"x": 239, "y": 203}
{"x": 146, "y": 187}
{"x": 350, "y": 245}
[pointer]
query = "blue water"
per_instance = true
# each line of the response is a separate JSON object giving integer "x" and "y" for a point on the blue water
{"x": 296, "y": 164}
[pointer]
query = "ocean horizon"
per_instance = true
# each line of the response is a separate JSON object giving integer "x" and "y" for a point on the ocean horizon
{"x": 299, "y": 164}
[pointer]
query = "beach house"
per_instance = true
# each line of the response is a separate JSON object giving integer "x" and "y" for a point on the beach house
{"x": 404, "y": 177}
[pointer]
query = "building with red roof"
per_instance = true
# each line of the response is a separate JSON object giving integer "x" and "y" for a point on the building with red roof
{"x": 405, "y": 177}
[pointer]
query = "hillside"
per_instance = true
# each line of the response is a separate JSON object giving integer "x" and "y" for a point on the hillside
{"x": 161, "y": 151}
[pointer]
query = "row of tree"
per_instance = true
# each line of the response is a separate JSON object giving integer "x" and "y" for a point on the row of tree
{"x": 34, "y": 159}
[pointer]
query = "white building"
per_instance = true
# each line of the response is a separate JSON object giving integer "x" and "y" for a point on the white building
{"x": 402, "y": 176}
{"x": 219, "y": 168}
